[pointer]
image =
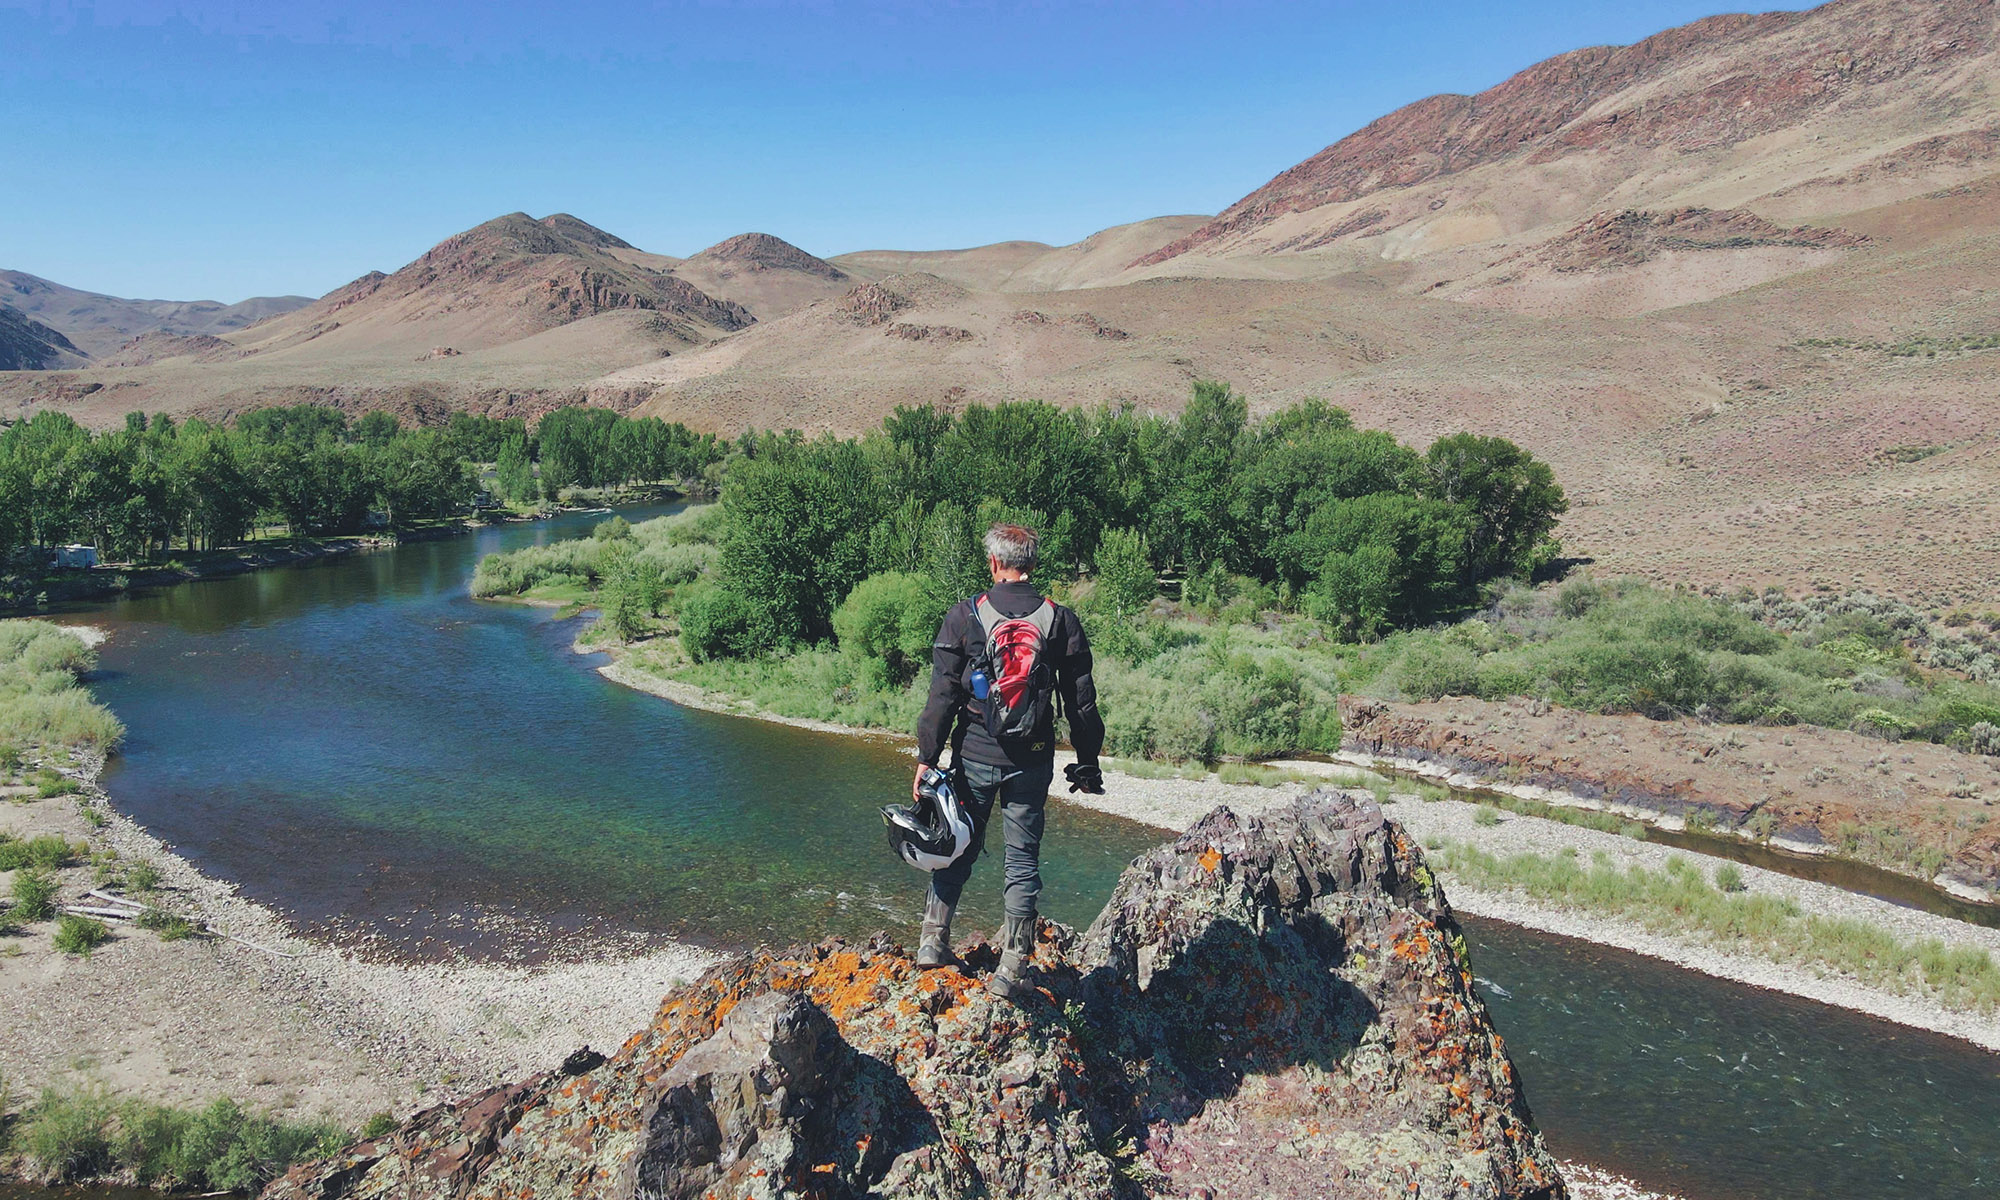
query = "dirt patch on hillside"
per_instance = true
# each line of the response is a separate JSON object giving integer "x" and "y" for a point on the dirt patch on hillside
{"x": 1916, "y": 808}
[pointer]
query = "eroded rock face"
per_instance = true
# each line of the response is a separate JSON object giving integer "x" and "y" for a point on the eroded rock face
{"x": 1265, "y": 1008}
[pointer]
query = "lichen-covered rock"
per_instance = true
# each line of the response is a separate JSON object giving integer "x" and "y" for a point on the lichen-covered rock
{"x": 1265, "y": 1008}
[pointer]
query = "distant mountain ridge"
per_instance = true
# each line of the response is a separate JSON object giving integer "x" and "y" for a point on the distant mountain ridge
{"x": 99, "y": 324}
{"x": 28, "y": 345}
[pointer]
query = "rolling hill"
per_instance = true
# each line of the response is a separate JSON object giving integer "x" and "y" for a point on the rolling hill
{"x": 100, "y": 324}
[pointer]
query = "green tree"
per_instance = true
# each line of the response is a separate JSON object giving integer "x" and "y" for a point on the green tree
{"x": 1191, "y": 522}
{"x": 796, "y": 539}
{"x": 377, "y": 428}
{"x": 1125, "y": 580}
{"x": 515, "y": 476}
{"x": 717, "y": 621}
{"x": 952, "y": 561}
{"x": 1513, "y": 499}
{"x": 1413, "y": 573}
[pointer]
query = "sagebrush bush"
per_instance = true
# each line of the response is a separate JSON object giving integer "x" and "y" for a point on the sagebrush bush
{"x": 66, "y": 1133}
{"x": 34, "y": 890}
{"x": 80, "y": 935}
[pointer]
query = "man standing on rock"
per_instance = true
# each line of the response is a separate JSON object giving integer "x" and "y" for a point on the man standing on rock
{"x": 1001, "y": 663}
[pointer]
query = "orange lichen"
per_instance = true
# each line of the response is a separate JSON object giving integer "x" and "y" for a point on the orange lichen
{"x": 1210, "y": 860}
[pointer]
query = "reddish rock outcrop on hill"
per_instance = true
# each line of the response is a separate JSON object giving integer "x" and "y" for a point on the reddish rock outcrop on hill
{"x": 153, "y": 347}
{"x": 1269, "y": 1007}
{"x": 1713, "y": 83}
{"x": 1626, "y": 239}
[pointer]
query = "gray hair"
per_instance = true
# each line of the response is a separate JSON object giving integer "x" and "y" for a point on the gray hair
{"x": 1013, "y": 546}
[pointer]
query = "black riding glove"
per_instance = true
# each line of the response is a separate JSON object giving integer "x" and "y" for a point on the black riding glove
{"x": 1084, "y": 777}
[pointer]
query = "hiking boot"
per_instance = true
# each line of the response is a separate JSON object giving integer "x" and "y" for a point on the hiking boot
{"x": 934, "y": 949}
{"x": 1017, "y": 949}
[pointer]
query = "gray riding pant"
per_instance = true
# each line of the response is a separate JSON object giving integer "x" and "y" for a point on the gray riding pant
{"x": 1022, "y": 795}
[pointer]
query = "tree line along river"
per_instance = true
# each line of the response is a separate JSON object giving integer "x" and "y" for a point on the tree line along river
{"x": 365, "y": 748}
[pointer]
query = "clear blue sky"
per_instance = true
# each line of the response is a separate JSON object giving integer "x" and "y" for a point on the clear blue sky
{"x": 221, "y": 150}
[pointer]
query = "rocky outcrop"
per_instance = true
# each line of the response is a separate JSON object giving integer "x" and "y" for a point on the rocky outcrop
{"x": 149, "y": 348}
{"x": 1273, "y": 1007}
{"x": 928, "y": 333}
{"x": 1084, "y": 322}
{"x": 1632, "y": 237}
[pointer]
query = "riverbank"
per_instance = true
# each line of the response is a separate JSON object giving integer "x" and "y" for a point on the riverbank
{"x": 105, "y": 582}
{"x": 1918, "y": 809}
{"x": 282, "y": 1023}
{"x": 115, "y": 579}
{"x": 1173, "y": 804}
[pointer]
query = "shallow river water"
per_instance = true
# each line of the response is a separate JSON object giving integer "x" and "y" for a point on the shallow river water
{"x": 361, "y": 745}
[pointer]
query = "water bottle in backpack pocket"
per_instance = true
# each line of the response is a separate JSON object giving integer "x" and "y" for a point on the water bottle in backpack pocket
{"x": 1020, "y": 680}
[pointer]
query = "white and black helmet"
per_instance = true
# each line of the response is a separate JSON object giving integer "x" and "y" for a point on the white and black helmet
{"x": 933, "y": 832}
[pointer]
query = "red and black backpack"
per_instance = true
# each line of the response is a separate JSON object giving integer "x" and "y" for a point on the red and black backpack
{"x": 1016, "y": 660}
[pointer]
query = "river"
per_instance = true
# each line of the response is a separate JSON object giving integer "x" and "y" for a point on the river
{"x": 361, "y": 745}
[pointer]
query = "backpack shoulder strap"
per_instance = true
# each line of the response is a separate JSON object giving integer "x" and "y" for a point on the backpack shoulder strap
{"x": 989, "y": 616}
{"x": 1044, "y": 618}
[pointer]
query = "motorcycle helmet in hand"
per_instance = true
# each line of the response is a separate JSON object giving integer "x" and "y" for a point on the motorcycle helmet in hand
{"x": 933, "y": 832}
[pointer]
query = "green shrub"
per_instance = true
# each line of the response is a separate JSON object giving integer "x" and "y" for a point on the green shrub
{"x": 171, "y": 927}
{"x": 889, "y": 620}
{"x": 34, "y": 890}
{"x": 224, "y": 1148}
{"x": 1729, "y": 878}
{"x": 1485, "y": 816}
{"x": 718, "y": 622}
{"x": 1431, "y": 670}
{"x": 697, "y": 525}
{"x": 142, "y": 876}
{"x": 1578, "y": 597}
{"x": 380, "y": 1125}
{"x": 67, "y": 1132}
{"x": 1876, "y": 722}
{"x": 46, "y": 850}
{"x": 679, "y": 564}
{"x": 615, "y": 529}
{"x": 514, "y": 572}
{"x": 80, "y": 935}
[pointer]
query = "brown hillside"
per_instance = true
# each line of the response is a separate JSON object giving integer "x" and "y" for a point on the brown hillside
{"x": 507, "y": 279}
{"x": 766, "y": 275}
{"x": 1095, "y": 261}
{"x": 28, "y": 345}
{"x": 1631, "y": 262}
{"x": 1732, "y": 107}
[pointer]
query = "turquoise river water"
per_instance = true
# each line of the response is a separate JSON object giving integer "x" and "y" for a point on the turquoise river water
{"x": 364, "y": 747}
